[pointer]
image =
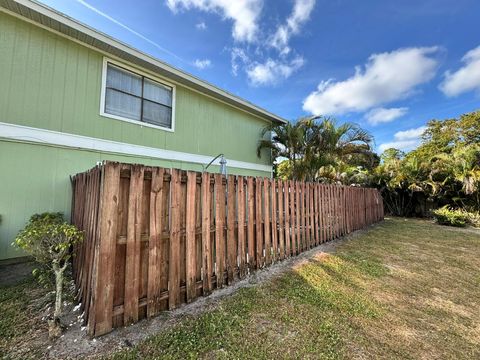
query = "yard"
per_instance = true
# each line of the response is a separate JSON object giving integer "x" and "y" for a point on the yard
{"x": 401, "y": 289}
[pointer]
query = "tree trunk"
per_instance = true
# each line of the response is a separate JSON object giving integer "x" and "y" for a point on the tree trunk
{"x": 58, "y": 290}
{"x": 55, "y": 329}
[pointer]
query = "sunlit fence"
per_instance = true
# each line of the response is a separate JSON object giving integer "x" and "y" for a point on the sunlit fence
{"x": 156, "y": 238}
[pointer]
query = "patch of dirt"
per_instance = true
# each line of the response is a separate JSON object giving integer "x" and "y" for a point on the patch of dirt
{"x": 11, "y": 274}
{"x": 74, "y": 343}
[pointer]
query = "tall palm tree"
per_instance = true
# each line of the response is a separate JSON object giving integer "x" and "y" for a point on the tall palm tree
{"x": 287, "y": 140}
{"x": 333, "y": 144}
{"x": 309, "y": 144}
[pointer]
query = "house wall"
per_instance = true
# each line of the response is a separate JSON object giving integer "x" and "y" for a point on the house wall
{"x": 48, "y": 82}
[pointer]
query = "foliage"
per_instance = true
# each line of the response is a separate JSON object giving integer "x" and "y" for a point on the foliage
{"x": 443, "y": 170}
{"x": 448, "y": 216}
{"x": 473, "y": 218}
{"x": 311, "y": 146}
{"x": 48, "y": 238}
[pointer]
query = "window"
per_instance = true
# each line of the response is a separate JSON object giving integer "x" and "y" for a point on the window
{"x": 130, "y": 96}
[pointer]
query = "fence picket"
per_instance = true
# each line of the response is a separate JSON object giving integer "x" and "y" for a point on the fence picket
{"x": 241, "y": 250}
{"x": 206, "y": 235}
{"x": 274, "y": 228}
{"x": 219, "y": 230}
{"x": 102, "y": 301}
{"x": 266, "y": 221}
{"x": 251, "y": 260}
{"x": 281, "y": 220}
{"x": 231, "y": 243}
{"x": 174, "y": 248}
{"x": 258, "y": 223}
{"x": 286, "y": 212}
{"x": 190, "y": 243}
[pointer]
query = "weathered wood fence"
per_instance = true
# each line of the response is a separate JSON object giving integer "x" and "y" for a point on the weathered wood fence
{"x": 156, "y": 238}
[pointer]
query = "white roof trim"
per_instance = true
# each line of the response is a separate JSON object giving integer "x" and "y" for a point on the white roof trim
{"x": 33, "y": 135}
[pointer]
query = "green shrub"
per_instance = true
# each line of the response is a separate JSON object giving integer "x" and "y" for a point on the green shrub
{"x": 451, "y": 217}
{"x": 473, "y": 218}
{"x": 48, "y": 238}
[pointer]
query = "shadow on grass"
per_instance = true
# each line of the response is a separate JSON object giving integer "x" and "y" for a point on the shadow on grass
{"x": 302, "y": 313}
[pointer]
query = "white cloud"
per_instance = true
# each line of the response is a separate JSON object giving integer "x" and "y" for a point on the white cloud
{"x": 244, "y": 14}
{"x": 404, "y": 145}
{"x": 300, "y": 14}
{"x": 238, "y": 56}
{"x": 410, "y": 134}
{"x": 382, "y": 115}
{"x": 202, "y": 64}
{"x": 201, "y": 26}
{"x": 386, "y": 77}
{"x": 467, "y": 78}
{"x": 405, "y": 140}
{"x": 272, "y": 71}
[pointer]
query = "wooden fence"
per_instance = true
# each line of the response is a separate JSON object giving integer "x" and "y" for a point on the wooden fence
{"x": 156, "y": 238}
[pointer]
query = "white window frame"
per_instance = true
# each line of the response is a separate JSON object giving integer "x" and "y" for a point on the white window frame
{"x": 107, "y": 61}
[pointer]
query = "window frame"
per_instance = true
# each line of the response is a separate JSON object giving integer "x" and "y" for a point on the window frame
{"x": 143, "y": 74}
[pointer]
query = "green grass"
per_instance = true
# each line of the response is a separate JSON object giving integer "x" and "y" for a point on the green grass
{"x": 406, "y": 289}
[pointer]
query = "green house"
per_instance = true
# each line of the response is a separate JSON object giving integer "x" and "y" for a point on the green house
{"x": 71, "y": 96}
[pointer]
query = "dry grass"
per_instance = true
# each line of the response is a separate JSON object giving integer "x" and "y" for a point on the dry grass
{"x": 23, "y": 334}
{"x": 405, "y": 289}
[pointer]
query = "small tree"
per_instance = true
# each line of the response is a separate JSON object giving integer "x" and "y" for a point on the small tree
{"x": 48, "y": 238}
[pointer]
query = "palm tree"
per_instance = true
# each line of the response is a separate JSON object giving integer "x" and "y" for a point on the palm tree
{"x": 333, "y": 144}
{"x": 287, "y": 140}
{"x": 309, "y": 144}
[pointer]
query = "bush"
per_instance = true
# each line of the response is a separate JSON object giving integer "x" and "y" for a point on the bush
{"x": 473, "y": 218}
{"x": 451, "y": 217}
{"x": 48, "y": 238}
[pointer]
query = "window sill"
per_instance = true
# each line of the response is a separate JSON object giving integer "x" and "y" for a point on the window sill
{"x": 136, "y": 122}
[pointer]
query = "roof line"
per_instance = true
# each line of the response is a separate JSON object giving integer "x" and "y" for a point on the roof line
{"x": 181, "y": 76}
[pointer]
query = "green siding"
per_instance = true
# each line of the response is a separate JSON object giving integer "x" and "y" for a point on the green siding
{"x": 55, "y": 83}
{"x": 50, "y": 82}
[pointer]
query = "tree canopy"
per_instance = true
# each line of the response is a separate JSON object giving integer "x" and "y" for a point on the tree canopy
{"x": 443, "y": 170}
{"x": 311, "y": 147}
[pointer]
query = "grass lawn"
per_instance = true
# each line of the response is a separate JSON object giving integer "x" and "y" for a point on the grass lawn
{"x": 22, "y": 331}
{"x": 403, "y": 289}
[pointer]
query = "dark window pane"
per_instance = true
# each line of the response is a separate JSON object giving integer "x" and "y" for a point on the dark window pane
{"x": 157, "y": 114}
{"x": 121, "y": 104}
{"x": 123, "y": 80}
{"x": 156, "y": 92}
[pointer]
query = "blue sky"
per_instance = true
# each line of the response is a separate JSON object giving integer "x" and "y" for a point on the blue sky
{"x": 387, "y": 65}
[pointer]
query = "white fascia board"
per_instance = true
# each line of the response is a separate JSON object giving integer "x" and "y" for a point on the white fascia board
{"x": 22, "y": 133}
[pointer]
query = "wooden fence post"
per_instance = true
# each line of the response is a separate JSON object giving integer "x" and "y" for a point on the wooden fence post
{"x": 190, "y": 243}
{"x": 174, "y": 249}
{"x": 206, "y": 235}
{"x": 219, "y": 230}
{"x": 132, "y": 263}
{"x": 154, "y": 258}
{"x": 231, "y": 244}
{"x": 103, "y": 274}
{"x": 241, "y": 226}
